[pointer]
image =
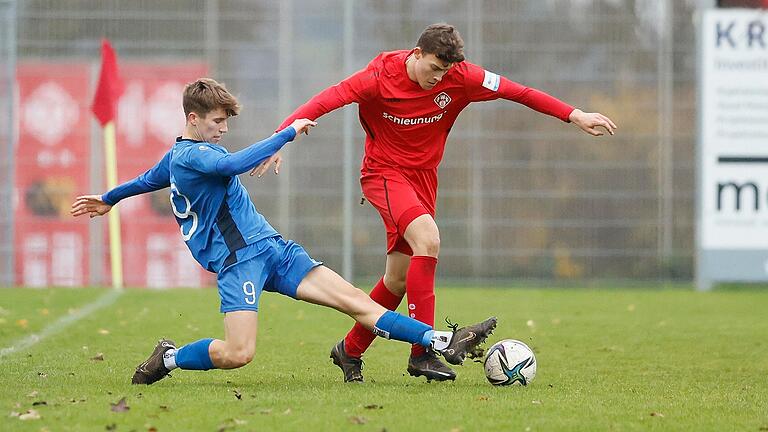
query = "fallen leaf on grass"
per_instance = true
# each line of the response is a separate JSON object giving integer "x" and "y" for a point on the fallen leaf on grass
{"x": 164, "y": 408}
{"x": 482, "y": 398}
{"x": 230, "y": 424}
{"x": 30, "y": 415}
{"x": 23, "y": 323}
{"x": 657, "y": 414}
{"x": 32, "y": 394}
{"x": 373, "y": 406}
{"x": 37, "y": 403}
{"x": 151, "y": 429}
{"x": 103, "y": 331}
{"x": 286, "y": 412}
{"x": 238, "y": 395}
{"x": 42, "y": 374}
{"x": 120, "y": 406}
{"x": 98, "y": 357}
{"x": 358, "y": 420}
{"x": 44, "y": 311}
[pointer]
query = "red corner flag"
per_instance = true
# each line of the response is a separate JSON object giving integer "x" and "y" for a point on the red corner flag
{"x": 110, "y": 86}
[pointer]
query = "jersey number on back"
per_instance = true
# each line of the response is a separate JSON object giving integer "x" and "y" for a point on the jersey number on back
{"x": 191, "y": 222}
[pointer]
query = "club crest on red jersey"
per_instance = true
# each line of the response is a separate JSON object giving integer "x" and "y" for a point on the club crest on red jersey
{"x": 442, "y": 100}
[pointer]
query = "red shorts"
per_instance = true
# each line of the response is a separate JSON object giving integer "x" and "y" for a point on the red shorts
{"x": 400, "y": 195}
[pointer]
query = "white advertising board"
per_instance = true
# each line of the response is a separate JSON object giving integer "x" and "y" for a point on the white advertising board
{"x": 733, "y": 147}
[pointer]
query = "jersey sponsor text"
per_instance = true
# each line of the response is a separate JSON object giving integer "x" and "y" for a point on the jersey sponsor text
{"x": 412, "y": 121}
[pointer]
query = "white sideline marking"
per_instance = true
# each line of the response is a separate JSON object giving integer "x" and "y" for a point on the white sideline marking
{"x": 62, "y": 323}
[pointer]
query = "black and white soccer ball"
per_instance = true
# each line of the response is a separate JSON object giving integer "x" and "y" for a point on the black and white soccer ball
{"x": 510, "y": 362}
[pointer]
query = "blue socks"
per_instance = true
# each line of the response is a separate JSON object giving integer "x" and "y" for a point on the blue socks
{"x": 195, "y": 356}
{"x": 392, "y": 325}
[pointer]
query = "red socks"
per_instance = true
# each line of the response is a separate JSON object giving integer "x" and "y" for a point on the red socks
{"x": 359, "y": 338}
{"x": 420, "y": 287}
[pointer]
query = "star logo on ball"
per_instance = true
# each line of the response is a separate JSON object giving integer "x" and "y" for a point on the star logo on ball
{"x": 442, "y": 100}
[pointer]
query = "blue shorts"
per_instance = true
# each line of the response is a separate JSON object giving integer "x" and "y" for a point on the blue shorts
{"x": 271, "y": 264}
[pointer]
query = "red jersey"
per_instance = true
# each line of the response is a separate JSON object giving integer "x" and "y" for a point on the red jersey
{"x": 407, "y": 126}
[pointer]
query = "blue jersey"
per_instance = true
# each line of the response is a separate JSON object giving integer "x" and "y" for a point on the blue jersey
{"x": 212, "y": 207}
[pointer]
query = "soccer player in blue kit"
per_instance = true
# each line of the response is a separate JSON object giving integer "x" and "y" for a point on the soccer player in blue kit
{"x": 228, "y": 236}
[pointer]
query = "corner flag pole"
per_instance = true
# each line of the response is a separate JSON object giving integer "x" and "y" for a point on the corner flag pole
{"x": 104, "y": 107}
{"x": 115, "y": 241}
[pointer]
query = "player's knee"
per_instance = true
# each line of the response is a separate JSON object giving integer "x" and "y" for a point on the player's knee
{"x": 242, "y": 358}
{"x": 428, "y": 244}
{"x": 395, "y": 283}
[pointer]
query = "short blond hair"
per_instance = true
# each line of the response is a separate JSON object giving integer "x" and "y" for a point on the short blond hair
{"x": 206, "y": 95}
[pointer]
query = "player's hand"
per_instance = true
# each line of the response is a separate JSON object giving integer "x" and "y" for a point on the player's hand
{"x": 92, "y": 205}
{"x": 302, "y": 126}
{"x": 590, "y": 122}
{"x": 262, "y": 168}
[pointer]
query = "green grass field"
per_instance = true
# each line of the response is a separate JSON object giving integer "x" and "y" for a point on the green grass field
{"x": 639, "y": 359}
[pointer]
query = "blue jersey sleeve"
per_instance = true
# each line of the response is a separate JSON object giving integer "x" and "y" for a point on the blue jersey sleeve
{"x": 230, "y": 164}
{"x": 156, "y": 178}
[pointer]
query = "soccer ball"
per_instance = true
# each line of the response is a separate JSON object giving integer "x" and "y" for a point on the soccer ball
{"x": 510, "y": 362}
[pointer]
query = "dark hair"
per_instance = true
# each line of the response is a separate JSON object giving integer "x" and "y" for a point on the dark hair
{"x": 206, "y": 95}
{"x": 442, "y": 40}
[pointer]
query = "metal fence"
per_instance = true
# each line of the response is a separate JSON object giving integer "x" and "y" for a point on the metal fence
{"x": 522, "y": 195}
{"x": 7, "y": 78}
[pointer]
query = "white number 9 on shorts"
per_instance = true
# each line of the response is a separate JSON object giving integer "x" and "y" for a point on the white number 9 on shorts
{"x": 250, "y": 292}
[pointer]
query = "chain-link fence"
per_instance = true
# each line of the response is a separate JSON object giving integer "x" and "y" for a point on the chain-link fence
{"x": 522, "y": 195}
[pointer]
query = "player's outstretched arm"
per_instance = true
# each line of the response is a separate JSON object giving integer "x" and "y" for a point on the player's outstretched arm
{"x": 301, "y": 126}
{"x": 92, "y": 205}
{"x": 592, "y": 122}
{"x": 252, "y": 156}
{"x": 355, "y": 88}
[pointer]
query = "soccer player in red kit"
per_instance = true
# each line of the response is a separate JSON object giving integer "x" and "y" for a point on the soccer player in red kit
{"x": 408, "y": 101}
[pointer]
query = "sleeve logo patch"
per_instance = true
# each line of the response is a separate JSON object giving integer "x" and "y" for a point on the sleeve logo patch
{"x": 203, "y": 148}
{"x": 491, "y": 81}
{"x": 442, "y": 100}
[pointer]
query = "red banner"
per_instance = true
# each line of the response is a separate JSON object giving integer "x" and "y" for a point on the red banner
{"x": 56, "y": 129}
{"x": 52, "y": 165}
